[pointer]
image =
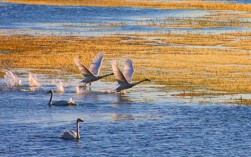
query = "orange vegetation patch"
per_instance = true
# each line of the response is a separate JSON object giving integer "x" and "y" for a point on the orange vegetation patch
{"x": 183, "y": 67}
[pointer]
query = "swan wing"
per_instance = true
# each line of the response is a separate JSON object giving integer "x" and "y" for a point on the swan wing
{"x": 118, "y": 74}
{"x": 83, "y": 69}
{"x": 128, "y": 70}
{"x": 96, "y": 63}
{"x": 60, "y": 103}
{"x": 69, "y": 135}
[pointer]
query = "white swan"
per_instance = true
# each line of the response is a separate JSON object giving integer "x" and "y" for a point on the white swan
{"x": 79, "y": 90}
{"x": 72, "y": 135}
{"x": 11, "y": 79}
{"x": 70, "y": 102}
{"x": 33, "y": 81}
{"x": 91, "y": 74}
{"x": 124, "y": 79}
{"x": 60, "y": 86}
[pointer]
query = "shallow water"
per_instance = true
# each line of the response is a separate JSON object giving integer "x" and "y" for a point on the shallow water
{"x": 95, "y": 21}
{"x": 145, "y": 121}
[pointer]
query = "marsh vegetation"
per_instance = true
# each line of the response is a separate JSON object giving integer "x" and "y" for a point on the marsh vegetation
{"x": 188, "y": 61}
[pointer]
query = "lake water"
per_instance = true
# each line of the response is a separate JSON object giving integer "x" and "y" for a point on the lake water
{"x": 145, "y": 121}
{"x": 96, "y": 21}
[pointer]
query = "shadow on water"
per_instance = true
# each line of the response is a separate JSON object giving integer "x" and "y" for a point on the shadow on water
{"x": 121, "y": 101}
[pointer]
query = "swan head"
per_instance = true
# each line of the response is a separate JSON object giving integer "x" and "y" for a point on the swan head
{"x": 147, "y": 80}
{"x": 50, "y": 91}
{"x": 80, "y": 120}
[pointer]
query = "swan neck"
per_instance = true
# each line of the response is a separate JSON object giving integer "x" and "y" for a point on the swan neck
{"x": 138, "y": 82}
{"x": 78, "y": 134}
{"x": 106, "y": 75}
{"x": 50, "y": 102}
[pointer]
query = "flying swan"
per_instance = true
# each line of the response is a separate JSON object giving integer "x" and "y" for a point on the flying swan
{"x": 72, "y": 135}
{"x": 91, "y": 74}
{"x": 124, "y": 79}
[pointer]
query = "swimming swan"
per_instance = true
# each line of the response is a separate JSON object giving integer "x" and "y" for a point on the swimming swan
{"x": 72, "y": 135}
{"x": 124, "y": 79}
{"x": 61, "y": 102}
{"x": 91, "y": 74}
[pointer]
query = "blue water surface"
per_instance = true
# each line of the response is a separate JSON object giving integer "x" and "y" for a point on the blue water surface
{"x": 92, "y": 21}
{"x": 145, "y": 121}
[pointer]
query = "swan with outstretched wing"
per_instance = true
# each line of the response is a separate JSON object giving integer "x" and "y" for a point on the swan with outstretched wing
{"x": 91, "y": 74}
{"x": 124, "y": 79}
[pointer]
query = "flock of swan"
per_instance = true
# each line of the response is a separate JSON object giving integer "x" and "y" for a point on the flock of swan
{"x": 90, "y": 75}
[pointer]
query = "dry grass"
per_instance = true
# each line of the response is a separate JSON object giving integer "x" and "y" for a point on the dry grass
{"x": 179, "y": 67}
{"x": 198, "y": 23}
{"x": 200, "y": 94}
{"x": 215, "y": 19}
{"x": 142, "y": 3}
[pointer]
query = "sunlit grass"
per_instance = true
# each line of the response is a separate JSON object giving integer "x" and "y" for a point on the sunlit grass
{"x": 143, "y": 3}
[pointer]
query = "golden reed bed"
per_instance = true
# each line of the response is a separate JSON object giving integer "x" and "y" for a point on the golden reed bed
{"x": 167, "y": 59}
{"x": 182, "y": 62}
{"x": 191, "y": 4}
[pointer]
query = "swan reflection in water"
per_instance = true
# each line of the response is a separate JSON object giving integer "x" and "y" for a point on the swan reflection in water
{"x": 121, "y": 101}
